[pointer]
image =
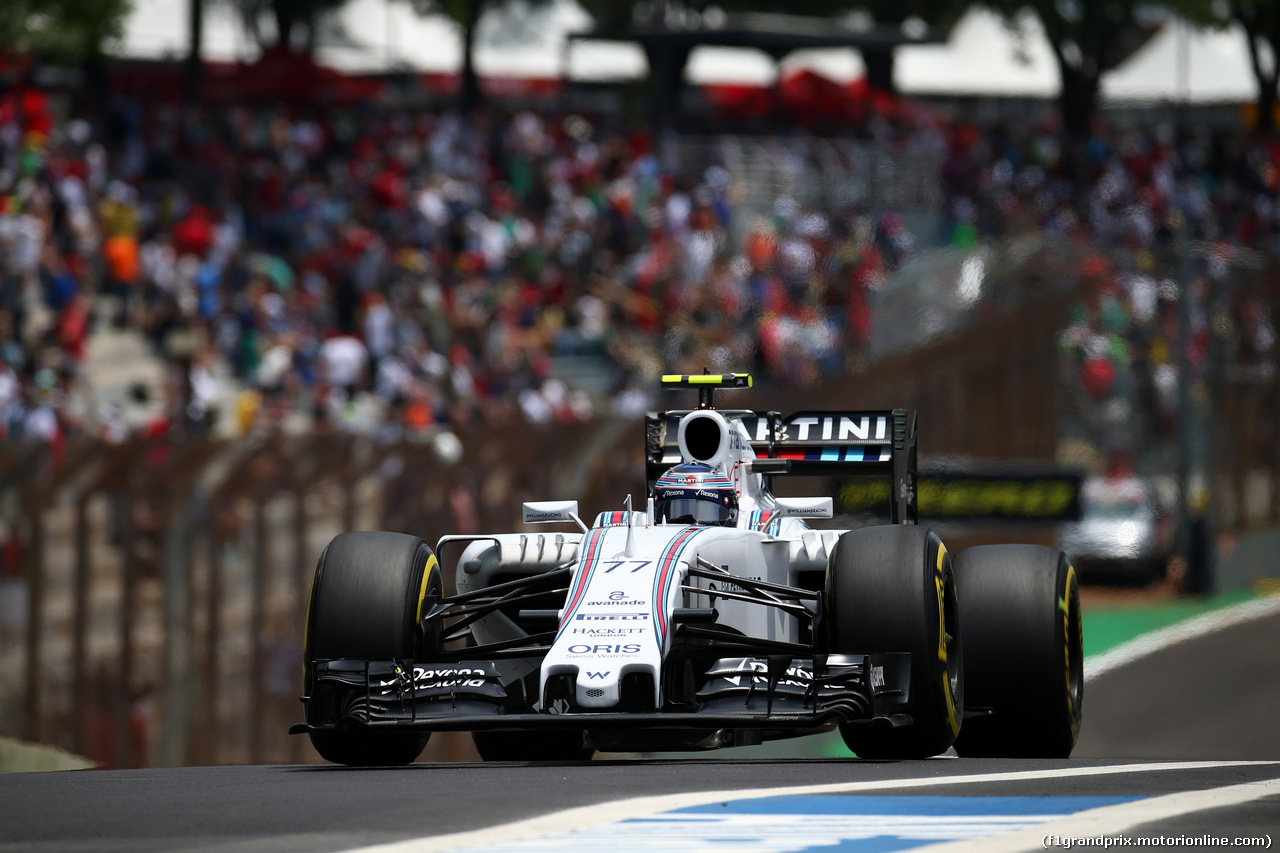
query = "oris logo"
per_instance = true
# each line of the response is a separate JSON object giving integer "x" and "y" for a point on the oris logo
{"x": 605, "y": 649}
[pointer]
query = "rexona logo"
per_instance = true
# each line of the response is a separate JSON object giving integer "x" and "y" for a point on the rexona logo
{"x": 733, "y": 587}
{"x": 432, "y": 679}
{"x": 612, "y": 617}
{"x": 795, "y": 676}
{"x": 605, "y": 649}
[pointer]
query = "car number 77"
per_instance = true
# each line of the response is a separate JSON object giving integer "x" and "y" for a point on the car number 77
{"x": 613, "y": 564}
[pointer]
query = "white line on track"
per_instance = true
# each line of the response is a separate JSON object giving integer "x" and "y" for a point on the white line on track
{"x": 601, "y": 813}
{"x": 1197, "y": 626}
{"x": 1114, "y": 820}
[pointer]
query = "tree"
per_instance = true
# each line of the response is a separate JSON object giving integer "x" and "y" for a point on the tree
{"x": 467, "y": 14}
{"x": 1261, "y": 22}
{"x": 72, "y": 32}
{"x": 296, "y": 27}
{"x": 1088, "y": 38}
{"x": 936, "y": 14}
{"x": 296, "y": 21}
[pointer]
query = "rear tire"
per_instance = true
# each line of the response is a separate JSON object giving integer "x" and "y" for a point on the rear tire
{"x": 891, "y": 589}
{"x": 1025, "y": 657}
{"x": 366, "y": 601}
{"x": 531, "y": 746}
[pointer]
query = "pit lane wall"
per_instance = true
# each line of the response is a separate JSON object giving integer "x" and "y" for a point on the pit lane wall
{"x": 19, "y": 757}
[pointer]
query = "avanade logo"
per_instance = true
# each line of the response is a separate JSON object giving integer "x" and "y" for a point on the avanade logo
{"x": 616, "y": 598}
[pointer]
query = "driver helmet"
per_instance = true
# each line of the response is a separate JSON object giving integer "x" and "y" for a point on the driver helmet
{"x": 694, "y": 493}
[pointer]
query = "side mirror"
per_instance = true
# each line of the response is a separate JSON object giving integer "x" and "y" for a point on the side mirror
{"x": 804, "y": 507}
{"x": 546, "y": 512}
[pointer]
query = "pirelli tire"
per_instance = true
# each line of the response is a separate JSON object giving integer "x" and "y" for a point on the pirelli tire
{"x": 891, "y": 589}
{"x": 1024, "y": 653}
{"x": 366, "y": 604}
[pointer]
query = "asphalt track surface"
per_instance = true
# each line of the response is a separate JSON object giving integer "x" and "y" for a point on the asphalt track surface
{"x": 1214, "y": 697}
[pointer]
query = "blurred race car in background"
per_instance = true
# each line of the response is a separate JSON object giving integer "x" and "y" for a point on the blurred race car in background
{"x": 1122, "y": 534}
{"x": 715, "y": 617}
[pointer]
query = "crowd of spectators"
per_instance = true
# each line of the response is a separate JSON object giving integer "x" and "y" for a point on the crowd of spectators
{"x": 392, "y": 269}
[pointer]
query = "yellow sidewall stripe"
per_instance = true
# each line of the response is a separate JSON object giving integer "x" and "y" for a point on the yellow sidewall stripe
{"x": 942, "y": 642}
{"x": 422, "y": 591}
{"x": 1064, "y": 604}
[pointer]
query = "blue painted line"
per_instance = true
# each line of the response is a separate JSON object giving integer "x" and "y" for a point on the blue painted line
{"x": 814, "y": 824}
{"x": 848, "y": 804}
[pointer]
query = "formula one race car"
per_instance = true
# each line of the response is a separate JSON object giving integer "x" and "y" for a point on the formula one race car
{"x": 716, "y": 617}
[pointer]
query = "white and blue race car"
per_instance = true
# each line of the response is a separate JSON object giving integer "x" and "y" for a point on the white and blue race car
{"x": 714, "y": 617}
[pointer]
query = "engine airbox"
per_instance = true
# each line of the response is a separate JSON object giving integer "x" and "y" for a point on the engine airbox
{"x": 704, "y": 437}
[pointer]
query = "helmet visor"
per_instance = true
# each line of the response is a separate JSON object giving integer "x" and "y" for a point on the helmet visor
{"x": 694, "y": 511}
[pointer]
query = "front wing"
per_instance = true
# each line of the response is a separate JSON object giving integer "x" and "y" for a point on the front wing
{"x": 769, "y": 696}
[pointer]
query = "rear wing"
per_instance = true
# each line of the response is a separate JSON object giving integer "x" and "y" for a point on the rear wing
{"x": 812, "y": 443}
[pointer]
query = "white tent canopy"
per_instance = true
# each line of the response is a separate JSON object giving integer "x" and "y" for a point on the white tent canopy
{"x": 157, "y": 29}
{"x": 367, "y": 36}
{"x": 1181, "y": 64}
{"x": 984, "y": 56}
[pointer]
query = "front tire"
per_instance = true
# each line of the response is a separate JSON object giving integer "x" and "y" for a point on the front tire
{"x": 891, "y": 589}
{"x": 1021, "y": 609}
{"x": 366, "y": 603}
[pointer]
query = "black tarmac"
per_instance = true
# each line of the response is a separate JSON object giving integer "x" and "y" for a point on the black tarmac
{"x": 1212, "y": 698}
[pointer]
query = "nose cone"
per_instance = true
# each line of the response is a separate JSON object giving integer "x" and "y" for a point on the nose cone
{"x": 598, "y": 686}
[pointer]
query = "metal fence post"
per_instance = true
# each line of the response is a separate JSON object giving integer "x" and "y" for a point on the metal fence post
{"x": 35, "y": 621}
{"x": 79, "y": 626}
{"x": 257, "y": 618}
{"x": 129, "y": 570}
{"x": 177, "y": 637}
